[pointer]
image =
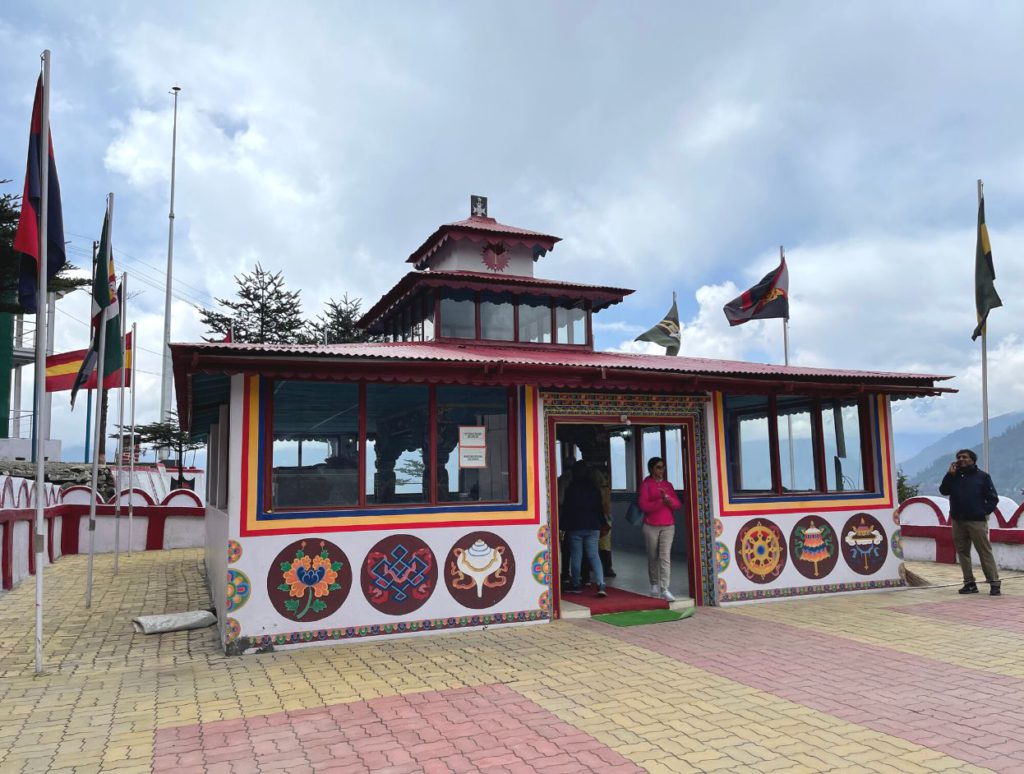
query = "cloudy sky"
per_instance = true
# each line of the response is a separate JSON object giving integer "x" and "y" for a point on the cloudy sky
{"x": 673, "y": 146}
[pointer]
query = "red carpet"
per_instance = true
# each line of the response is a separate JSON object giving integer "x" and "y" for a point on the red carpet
{"x": 617, "y": 601}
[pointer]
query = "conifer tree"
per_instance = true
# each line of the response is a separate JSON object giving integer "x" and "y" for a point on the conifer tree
{"x": 337, "y": 324}
{"x": 264, "y": 313}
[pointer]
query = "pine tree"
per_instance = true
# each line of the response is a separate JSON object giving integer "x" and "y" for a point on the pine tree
{"x": 265, "y": 313}
{"x": 337, "y": 325}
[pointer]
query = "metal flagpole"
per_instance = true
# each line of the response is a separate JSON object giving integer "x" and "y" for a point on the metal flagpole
{"x": 40, "y": 376}
{"x": 19, "y": 337}
{"x": 165, "y": 377}
{"x": 789, "y": 417}
{"x": 131, "y": 453}
{"x": 984, "y": 366}
{"x": 122, "y": 309}
{"x": 99, "y": 408}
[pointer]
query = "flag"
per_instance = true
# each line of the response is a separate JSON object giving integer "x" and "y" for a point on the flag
{"x": 768, "y": 298}
{"x": 105, "y": 311}
{"x": 985, "y": 297}
{"x": 61, "y": 370}
{"x": 666, "y": 333}
{"x": 26, "y": 238}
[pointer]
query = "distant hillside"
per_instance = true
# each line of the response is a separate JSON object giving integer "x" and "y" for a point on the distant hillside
{"x": 1006, "y": 467}
{"x": 964, "y": 438}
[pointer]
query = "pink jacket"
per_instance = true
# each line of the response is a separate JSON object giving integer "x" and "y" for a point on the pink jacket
{"x": 657, "y": 514}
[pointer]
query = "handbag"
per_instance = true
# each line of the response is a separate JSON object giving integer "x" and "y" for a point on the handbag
{"x": 634, "y": 515}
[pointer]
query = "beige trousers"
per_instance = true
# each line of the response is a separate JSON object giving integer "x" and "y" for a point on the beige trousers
{"x": 659, "y": 554}
{"x": 966, "y": 533}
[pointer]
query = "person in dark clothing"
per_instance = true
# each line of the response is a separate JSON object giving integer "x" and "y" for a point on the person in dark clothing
{"x": 972, "y": 497}
{"x": 581, "y": 517}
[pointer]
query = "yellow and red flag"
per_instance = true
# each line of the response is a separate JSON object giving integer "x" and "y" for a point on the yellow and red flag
{"x": 62, "y": 369}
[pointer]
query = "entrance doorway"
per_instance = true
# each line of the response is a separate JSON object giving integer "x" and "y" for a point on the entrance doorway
{"x": 617, "y": 456}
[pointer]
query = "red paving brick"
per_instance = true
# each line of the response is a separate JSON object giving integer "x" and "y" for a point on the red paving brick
{"x": 420, "y": 732}
{"x": 970, "y": 714}
{"x": 1005, "y": 613}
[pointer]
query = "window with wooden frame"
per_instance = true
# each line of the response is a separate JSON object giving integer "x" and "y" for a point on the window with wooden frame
{"x": 797, "y": 444}
{"x": 501, "y": 316}
{"x": 345, "y": 445}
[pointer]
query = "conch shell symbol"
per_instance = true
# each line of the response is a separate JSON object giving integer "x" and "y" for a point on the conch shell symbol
{"x": 479, "y": 561}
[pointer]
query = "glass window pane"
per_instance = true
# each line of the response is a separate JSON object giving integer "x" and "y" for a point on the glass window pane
{"x": 428, "y": 316}
{"x": 315, "y": 456}
{"x": 534, "y": 320}
{"x": 844, "y": 468}
{"x": 674, "y": 457}
{"x": 458, "y": 314}
{"x": 478, "y": 472}
{"x": 496, "y": 317}
{"x": 417, "y": 319}
{"x": 397, "y": 440}
{"x": 571, "y": 323}
{"x": 618, "y": 460}
{"x": 650, "y": 446}
{"x": 747, "y": 444}
{"x": 796, "y": 444}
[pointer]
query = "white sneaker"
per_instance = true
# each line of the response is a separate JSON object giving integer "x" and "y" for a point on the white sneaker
{"x": 667, "y": 596}
{"x": 655, "y": 590}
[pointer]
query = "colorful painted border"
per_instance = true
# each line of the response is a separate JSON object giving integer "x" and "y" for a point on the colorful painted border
{"x": 803, "y": 591}
{"x": 398, "y": 627}
{"x": 257, "y": 520}
{"x": 730, "y": 505}
{"x": 661, "y": 409}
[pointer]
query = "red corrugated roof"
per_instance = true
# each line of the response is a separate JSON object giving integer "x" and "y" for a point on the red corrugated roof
{"x": 601, "y": 296}
{"x": 472, "y": 352}
{"x": 479, "y": 227}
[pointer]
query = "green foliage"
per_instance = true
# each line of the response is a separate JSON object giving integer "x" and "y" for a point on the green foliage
{"x": 337, "y": 324}
{"x": 167, "y": 435}
{"x": 904, "y": 489}
{"x": 265, "y": 312}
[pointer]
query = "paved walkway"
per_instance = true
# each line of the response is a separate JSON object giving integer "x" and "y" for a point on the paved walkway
{"x": 902, "y": 681}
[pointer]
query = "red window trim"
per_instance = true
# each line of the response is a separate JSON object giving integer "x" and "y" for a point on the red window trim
{"x": 818, "y": 447}
{"x": 512, "y": 430}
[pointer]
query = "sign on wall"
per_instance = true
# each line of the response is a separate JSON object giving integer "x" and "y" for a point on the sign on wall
{"x": 472, "y": 446}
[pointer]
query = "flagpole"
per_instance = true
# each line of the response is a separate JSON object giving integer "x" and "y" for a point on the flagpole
{"x": 99, "y": 407}
{"x": 131, "y": 453}
{"x": 165, "y": 376}
{"x": 41, "y": 338}
{"x": 789, "y": 417}
{"x": 984, "y": 366}
{"x": 123, "y": 311}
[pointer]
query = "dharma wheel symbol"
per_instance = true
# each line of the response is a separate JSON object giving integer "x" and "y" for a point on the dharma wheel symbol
{"x": 761, "y": 551}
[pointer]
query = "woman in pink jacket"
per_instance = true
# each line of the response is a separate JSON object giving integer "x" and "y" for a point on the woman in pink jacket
{"x": 657, "y": 499}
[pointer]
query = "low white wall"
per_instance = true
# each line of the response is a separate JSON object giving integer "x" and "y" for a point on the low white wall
{"x": 928, "y": 511}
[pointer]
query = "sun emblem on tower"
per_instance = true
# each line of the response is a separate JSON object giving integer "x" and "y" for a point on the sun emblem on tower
{"x": 495, "y": 256}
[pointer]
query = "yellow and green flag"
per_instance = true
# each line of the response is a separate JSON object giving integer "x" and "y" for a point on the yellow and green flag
{"x": 985, "y": 297}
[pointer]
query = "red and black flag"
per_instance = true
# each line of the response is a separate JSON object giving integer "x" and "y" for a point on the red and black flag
{"x": 768, "y": 298}
{"x": 26, "y": 238}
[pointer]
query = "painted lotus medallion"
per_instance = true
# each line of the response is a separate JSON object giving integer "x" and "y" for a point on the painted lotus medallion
{"x": 309, "y": 580}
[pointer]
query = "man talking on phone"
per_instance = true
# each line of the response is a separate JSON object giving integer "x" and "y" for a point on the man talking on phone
{"x": 972, "y": 497}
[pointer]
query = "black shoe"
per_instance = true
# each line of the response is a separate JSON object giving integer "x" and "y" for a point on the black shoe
{"x": 609, "y": 573}
{"x": 969, "y": 588}
{"x": 602, "y": 593}
{"x": 995, "y": 591}
{"x": 578, "y": 590}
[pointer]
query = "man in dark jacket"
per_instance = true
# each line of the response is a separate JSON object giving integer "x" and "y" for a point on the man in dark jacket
{"x": 581, "y": 516}
{"x": 972, "y": 497}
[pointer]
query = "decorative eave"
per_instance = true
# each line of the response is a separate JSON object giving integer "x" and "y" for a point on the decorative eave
{"x": 509, "y": 366}
{"x": 481, "y": 229}
{"x": 600, "y": 296}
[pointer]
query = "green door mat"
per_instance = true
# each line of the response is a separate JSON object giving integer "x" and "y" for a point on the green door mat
{"x": 641, "y": 617}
